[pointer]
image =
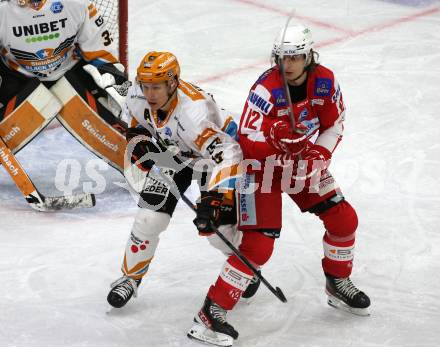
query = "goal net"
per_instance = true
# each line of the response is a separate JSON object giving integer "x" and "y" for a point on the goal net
{"x": 115, "y": 13}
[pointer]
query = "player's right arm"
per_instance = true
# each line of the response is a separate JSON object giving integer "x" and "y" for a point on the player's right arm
{"x": 132, "y": 109}
{"x": 257, "y": 116}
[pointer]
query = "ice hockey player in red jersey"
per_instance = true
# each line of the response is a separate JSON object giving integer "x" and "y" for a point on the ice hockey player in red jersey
{"x": 57, "y": 58}
{"x": 293, "y": 161}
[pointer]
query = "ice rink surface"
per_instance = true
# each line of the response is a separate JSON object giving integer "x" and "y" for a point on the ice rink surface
{"x": 55, "y": 268}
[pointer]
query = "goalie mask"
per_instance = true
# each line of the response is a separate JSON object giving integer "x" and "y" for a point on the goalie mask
{"x": 297, "y": 40}
{"x": 157, "y": 67}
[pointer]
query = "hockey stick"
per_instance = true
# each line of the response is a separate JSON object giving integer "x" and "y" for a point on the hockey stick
{"x": 276, "y": 291}
{"x": 290, "y": 112}
{"x": 286, "y": 90}
{"x": 35, "y": 199}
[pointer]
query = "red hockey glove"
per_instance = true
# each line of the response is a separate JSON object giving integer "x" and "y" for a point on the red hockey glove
{"x": 282, "y": 137}
{"x": 142, "y": 138}
{"x": 315, "y": 159}
{"x": 208, "y": 212}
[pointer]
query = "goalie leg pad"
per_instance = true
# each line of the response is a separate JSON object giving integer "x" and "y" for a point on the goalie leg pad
{"x": 93, "y": 126}
{"x": 33, "y": 197}
{"x": 26, "y": 114}
{"x": 143, "y": 241}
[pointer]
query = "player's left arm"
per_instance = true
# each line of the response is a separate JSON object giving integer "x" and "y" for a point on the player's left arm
{"x": 331, "y": 118}
{"x": 215, "y": 143}
{"x": 225, "y": 155}
{"x": 220, "y": 151}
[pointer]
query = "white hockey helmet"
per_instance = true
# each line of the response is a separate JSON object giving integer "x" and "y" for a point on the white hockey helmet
{"x": 297, "y": 40}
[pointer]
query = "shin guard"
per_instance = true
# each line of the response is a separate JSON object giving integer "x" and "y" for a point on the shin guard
{"x": 236, "y": 276}
{"x": 340, "y": 222}
{"x": 143, "y": 241}
{"x": 231, "y": 283}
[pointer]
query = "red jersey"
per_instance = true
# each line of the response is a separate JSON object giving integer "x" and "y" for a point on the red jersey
{"x": 322, "y": 111}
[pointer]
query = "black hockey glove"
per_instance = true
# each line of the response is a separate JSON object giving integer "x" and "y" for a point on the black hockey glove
{"x": 208, "y": 212}
{"x": 111, "y": 78}
{"x": 142, "y": 145}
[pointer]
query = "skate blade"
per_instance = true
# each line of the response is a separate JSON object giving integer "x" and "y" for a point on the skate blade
{"x": 340, "y": 305}
{"x": 202, "y": 334}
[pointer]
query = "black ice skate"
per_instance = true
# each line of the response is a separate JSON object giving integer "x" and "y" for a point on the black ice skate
{"x": 210, "y": 326}
{"x": 122, "y": 291}
{"x": 250, "y": 291}
{"x": 342, "y": 294}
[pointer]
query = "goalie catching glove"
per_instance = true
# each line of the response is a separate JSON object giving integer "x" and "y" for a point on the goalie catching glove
{"x": 112, "y": 79}
{"x": 208, "y": 212}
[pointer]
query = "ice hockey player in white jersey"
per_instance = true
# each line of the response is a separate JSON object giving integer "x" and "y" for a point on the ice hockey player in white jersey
{"x": 177, "y": 134}
{"x": 57, "y": 59}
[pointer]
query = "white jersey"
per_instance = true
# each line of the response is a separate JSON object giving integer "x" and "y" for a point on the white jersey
{"x": 42, "y": 42}
{"x": 196, "y": 126}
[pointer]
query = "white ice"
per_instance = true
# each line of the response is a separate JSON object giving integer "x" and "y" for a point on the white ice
{"x": 55, "y": 268}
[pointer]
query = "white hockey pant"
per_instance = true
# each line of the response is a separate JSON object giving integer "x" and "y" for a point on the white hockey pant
{"x": 232, "y": 234}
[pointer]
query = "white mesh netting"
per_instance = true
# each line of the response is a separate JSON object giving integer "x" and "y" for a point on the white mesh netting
{"x": 109, "y": 9}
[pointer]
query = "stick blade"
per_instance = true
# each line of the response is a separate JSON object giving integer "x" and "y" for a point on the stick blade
{"x": 62, "y": 202}
{"x": 280, "y": 295}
